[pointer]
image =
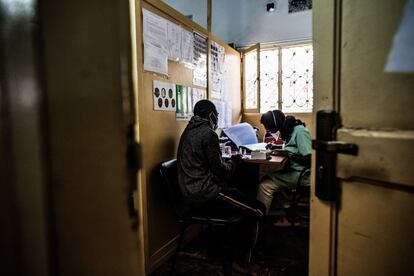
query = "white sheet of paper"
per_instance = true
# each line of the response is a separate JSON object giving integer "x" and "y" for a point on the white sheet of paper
{"x": 221, "y": 109}
{"x": 216, "y": 85}
{"x": 224, "y": 110}
{"x": 197, "y": 95}
{"x": 401, "y": 56}
{"x": 221, "y": 57}
{"x": 200, "y": 60}
{"x": 155, "y": 59}
{"x": 217, "y": 69}
{"x": 174, "y": 41}
{"x": 187, "y": 47}
{"x": 228, "y": 115}
{"x": 241, "y": 134}
{"x": 256, "y": 146}
{"x": 155, "y": 42}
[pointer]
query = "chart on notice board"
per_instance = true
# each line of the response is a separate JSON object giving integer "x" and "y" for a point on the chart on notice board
{"x": 182, "y": 103}
{"x": 217, "y": 69}
{"x": 200, "y": 60}
{"x": 164, "y": 96}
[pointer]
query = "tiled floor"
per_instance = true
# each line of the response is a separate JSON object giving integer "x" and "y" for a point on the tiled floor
{"x": 285, "y": 253}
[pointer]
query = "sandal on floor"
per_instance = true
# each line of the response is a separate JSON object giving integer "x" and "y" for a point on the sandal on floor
{"x": 284, "y": 222}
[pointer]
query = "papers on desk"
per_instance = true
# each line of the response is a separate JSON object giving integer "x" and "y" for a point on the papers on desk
{"x": 259, "y": 154}
{"x": 255, "y": 147}
{"x": 241, "y": 134}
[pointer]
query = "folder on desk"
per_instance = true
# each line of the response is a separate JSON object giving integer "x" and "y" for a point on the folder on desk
{"x": 244, "y": 136}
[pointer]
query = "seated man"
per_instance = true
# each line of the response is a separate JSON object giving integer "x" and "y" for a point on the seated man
{"x": 298, "y": 146}
{"x": 203, "y": 176}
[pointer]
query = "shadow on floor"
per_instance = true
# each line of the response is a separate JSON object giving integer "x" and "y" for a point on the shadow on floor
{"x": 285, "y": 253}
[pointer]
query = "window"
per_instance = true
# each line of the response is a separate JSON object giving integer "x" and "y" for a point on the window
{"x": 278, "y": 78}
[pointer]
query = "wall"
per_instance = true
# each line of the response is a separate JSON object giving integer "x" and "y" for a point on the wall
{"x": 196, "y": 8}
{"x": 227, "y": 19}
{"x": 246, "y": 22}
{"x": 258, "y": 25}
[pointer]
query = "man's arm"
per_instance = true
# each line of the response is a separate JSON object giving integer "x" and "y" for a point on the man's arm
{"x": 303, "y": 160}
{"x": 217, "y": 164}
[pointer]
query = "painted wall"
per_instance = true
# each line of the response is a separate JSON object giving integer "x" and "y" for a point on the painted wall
{"x": 258, "y": 25}
{"x": 196, "y": 8}
{"x": 245, "y": 22}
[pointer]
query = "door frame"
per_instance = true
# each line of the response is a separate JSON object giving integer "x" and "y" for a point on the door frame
{"x": 326, "y": 24}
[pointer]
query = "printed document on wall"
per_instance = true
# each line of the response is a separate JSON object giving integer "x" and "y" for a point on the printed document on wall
{"x": 182, "y": 113}
{"x": 224, "y": 109}
{"x": 155, "y": 43}
{"x": 200, "y": 60}
{"x": 174, "y": 41}
{"x": 155, "y": 59}
{"x": 197, "y": 95}
{"x": 217, "y": 69}
{"x": 187, "y": 48}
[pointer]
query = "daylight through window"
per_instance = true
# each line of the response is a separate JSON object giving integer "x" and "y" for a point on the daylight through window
{"x": 286, "y": 79}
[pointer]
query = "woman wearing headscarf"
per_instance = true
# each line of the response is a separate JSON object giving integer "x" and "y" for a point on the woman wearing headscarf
{"x": 298, "y": 149}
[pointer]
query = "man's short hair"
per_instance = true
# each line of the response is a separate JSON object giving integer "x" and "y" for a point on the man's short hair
{"x": 203, "y": 108}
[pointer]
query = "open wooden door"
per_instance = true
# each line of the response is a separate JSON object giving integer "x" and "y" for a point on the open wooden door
{"x": 364, "y": 224}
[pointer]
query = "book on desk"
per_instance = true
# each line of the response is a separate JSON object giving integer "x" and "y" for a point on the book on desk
{"x": 244, "y": 138}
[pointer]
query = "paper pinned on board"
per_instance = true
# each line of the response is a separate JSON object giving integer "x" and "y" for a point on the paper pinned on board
{"x": 401, "y": 56}
{"x": 155, "y": 43}
{"x": 187, "y": 48}
{"x": 174, "y": 41}
{"x": 164, "y": 96}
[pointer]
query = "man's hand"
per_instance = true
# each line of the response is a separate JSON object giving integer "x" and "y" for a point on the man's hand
{"x": 282, "y": 153}
{"x": 236, "y": 158}
{"x": 273, "y": 146}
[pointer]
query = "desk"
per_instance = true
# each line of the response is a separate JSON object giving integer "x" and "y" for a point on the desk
{"x": 275, "y": 163}
{"x": 274, "y": 160}
{"x": 251, "y": 171}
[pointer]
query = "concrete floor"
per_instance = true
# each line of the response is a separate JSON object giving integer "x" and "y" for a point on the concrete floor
{"x": 285, "y": 253}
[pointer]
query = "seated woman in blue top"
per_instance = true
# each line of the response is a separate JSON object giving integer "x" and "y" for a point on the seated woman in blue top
{"x": 298, "y": 146}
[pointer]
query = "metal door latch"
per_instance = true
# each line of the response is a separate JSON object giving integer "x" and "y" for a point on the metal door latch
{"x": 335, "y": 147}
{"x": 327, "y": 148}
